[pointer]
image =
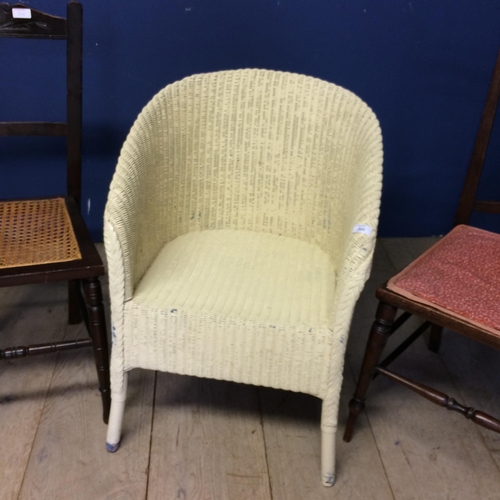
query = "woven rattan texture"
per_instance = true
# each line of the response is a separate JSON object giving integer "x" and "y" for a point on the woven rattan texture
{"x": 228, "y": 283}
{"x": 36, "y": 232}
{"x": 255, "y": 150}
{"x": 268, "y": 160}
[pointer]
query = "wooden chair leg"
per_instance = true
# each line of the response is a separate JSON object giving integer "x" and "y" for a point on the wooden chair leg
{"x": 435, "y": 338}
{"x": 379, "y": 334}
{"x": 74, "y": 315}
{"x": 97, "y": 331}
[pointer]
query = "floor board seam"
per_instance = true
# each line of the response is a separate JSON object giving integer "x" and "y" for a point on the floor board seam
{"x": 388, "y": 255}
{"x": 373, "y": 436}
{"x": 151, "y": 436}
{"x": 49, "y": 385}
{"x": 265, "y": 443}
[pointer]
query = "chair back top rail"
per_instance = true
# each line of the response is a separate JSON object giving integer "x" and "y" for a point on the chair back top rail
{"x": 468, "y": 202}
{"x": 20, "y": 21}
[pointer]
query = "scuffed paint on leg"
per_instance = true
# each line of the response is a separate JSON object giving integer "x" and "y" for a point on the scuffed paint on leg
{"x": 112, "y": 448}
{"x": 329, "y": 480}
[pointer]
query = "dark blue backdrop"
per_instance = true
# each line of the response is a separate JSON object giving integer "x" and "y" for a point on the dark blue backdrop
{"x": 423, "y": 66}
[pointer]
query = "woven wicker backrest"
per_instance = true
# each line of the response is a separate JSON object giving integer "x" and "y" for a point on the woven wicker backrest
{"x": 250, "y": 149}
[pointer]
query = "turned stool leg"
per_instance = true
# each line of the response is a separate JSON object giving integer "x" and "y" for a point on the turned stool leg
{"x": 97, "y": 331}
{"x": 379, "y": 333}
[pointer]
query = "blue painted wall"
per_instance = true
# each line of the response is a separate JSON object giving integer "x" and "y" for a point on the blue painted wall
{"x": 423, "y": 66}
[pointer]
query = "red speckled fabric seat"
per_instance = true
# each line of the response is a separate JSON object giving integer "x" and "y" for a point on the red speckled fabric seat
{"x": 460, "y": 275}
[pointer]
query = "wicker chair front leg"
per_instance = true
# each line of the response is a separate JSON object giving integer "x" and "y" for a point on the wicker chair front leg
{"x": 118, "y": 399}
{"x": 328, "y": 456}
{"x": 329, "y": 421}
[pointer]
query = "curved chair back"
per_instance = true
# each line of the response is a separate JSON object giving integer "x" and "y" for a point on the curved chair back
{"x": 250, "y": 149}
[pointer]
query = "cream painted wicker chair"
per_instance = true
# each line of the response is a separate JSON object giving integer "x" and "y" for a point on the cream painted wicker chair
{"x": 230, "y": 235}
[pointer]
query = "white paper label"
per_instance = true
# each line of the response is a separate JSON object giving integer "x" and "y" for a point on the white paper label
{"x": 362, "y": 228}
{"x": 21, "y": 13}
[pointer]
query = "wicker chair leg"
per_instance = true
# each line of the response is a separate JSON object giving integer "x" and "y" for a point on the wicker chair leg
{"x": 328, "y": 456}
{"x": 116, "y": 417}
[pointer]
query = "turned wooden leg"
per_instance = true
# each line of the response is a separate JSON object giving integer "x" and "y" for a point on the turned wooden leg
{"x": 379, "y": 333}
{"x": 74, "y": 315}
{"x": 435, "y": 338}
{"x": 97, "y": 331}
{"x": 441, "y": 399}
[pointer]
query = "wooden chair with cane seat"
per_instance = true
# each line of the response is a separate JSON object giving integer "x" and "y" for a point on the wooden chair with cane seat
{"x": 454, "y": 285}
{"x": 45, "y": 239}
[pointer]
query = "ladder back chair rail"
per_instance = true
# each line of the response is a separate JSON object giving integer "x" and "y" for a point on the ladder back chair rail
{"x": 44, "y": 26}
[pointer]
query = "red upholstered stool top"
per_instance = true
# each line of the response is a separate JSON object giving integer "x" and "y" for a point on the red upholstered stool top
{"x": 460, "y": 274}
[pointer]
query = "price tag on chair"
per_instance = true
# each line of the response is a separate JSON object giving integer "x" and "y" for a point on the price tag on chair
{"x": 362, "y": 228}
{"x": 21, "y": 13}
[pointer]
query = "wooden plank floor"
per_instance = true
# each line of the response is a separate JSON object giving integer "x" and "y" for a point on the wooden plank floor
{"x": 188, "y": 438}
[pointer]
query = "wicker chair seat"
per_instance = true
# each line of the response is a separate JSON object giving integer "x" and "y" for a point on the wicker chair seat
{"x": 258, "y": 306}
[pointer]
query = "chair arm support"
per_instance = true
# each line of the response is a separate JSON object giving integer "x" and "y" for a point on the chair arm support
{"x": 356, "y": 248}
{"x": 133, "y": 199}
